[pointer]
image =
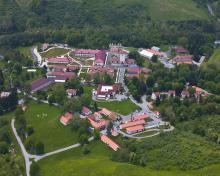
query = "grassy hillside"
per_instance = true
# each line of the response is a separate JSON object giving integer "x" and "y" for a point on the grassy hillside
{"x": 98, "y": 12}
{"x": 214, "y": 59}
{"x": 101, "y": 11}
{"x": 175, "y": 10}
{"x": 97, "y": 163}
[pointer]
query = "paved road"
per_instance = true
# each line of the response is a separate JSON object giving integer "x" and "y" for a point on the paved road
{"x": 121, "y": 75}
{"x": 28, "y": 156}
{"x": 39, "y": 157}
{"x": 37, "y": 57}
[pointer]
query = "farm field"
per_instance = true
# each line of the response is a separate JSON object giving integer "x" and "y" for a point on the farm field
{"x": 122, "y": 107}
{"x": 74, "y": 163}
{"x": 54, "y": 52}
{"x": 47, "y": 128}
{"x": 175, "y": 10}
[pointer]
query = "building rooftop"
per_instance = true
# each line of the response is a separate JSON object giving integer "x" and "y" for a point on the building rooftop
{"x": 130, "y": 124}
{"x": 134, "y": 128}
{"x": 110, "y": 142}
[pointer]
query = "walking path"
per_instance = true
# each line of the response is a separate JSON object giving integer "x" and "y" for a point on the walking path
{"x": 28, "y": 157}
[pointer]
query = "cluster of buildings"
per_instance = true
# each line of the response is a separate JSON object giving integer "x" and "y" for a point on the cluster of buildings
{"x": 153, "y": 51}
{"x": 98, "y": 120}
{"x": 157, "y": 95}
{"x": 136, "y": 71}
{"x": 198, "y": 92}
{"x": 182, "y": 56}
{"x": 136, "y": 124}
{"x": 117, "y": 55}
{"x": 101, "y": 70}
{"x": 99, "y": 55}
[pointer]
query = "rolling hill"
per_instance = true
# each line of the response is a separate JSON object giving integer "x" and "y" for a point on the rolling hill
{"x": 101, "y": 12}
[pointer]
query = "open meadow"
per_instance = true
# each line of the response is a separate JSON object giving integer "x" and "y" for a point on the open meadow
{"x": 47, "y": 129}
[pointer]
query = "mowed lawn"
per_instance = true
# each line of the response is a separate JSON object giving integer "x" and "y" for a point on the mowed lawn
{"x": 47, "y": 128}
{"x": 97, "y": 163}
{"x": 55, "y": 52}
{"x": 175, "y": 10}
{"x": 122, "y": 107}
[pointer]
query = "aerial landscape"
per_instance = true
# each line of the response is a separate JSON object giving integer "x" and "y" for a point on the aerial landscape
{"x": 109, "y": 87}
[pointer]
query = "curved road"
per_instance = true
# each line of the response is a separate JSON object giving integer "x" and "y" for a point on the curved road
{"x": 145, "y": 109}
{"x": 28, "y": 156}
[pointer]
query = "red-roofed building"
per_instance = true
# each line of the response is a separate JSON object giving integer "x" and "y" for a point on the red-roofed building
{"x": 117, "y": 51}
{"x": 135, "y": 129}
{"x": 40, "y": 84}
{"x": 99, "y": 55}
{"x": 60, "y": 76}
{"x": 139, "y": 117}
{"x": 85, "y": 52}
{"x": 130, "y": 62}
{"x": 134, "y": 123}
{"x": 97, "y": 115}
{"x": 101, "y": 70}
{"x": 71, "y": 92}
{"x": 180, "y": 50}
{"x": 102, "y": 123}
{"x": 86, "y": 111}
{"x": 63, "y": 60}
{"x": 137, "y": 71}
{"x": 108, "y": 113}
{"x": 114, "y": 132}
{"x": 183, "y": 60}
{"x": 110, "y": 142}
{"x": 63, "y": 68}
{"x": 66, "y": 118}
{"x": 105, "y": 91}
{"x": 199, "y": 91}
{"x": 100, "y": 58}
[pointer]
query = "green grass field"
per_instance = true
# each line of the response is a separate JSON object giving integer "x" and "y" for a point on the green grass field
{"x": 97, "y": 163}
{"x": 121, "y": 107}
{"x": 48, "y": 129}
{"x": 26, "y": 51}
{"x": 175, "y": 10}
{"x": 54, "y": 52}
{"x": 214, "y": 59}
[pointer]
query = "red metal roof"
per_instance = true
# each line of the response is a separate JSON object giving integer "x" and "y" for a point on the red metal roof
{"x": 110, "y": 142}
{"x": 85, "y": 110}
{"x": 98, "y": 124}
{"x": 66, "y": 118}
{"x": 130, "y": 124}
{"x": 140, "y": 117}
{"x": 134, "y": 128}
